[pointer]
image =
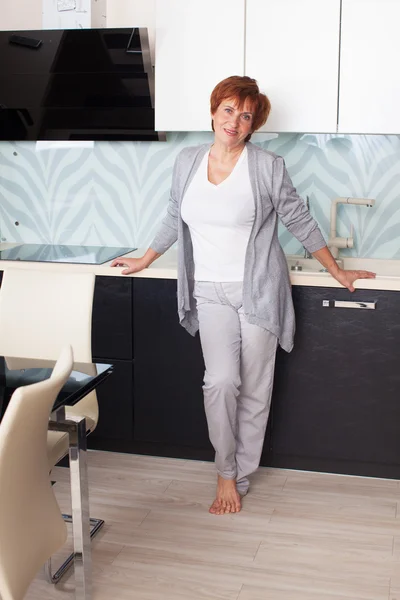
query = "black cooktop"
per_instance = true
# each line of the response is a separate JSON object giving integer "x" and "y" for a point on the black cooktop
{"x": 86, "y": 255}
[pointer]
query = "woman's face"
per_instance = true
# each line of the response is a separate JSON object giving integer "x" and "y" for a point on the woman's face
{"x": 232, "y": 125}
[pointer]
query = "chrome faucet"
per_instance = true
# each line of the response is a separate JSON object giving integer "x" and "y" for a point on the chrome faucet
{"x": 335, "y": 242}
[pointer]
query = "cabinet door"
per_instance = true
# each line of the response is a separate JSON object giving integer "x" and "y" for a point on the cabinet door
{"x": 112, "y": 319}
{"x": 369, "y": 96}
{"x": 169, "y": 370}
{"x": 292, "y": 49}
{"x": 112, "y": 324}
{"x": 336, "y": 395}
{"x": 265, "y": 460}
{"x": 115, "y": 398}
{"x": 198, "y": 43}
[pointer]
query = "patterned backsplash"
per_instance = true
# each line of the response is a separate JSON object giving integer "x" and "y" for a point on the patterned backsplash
{"x": 115, "y": 194}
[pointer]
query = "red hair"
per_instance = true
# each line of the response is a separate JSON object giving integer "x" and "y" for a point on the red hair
{"x": 242, "y": 89}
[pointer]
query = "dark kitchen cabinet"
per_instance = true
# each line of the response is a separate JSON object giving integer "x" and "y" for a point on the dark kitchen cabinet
{"x": 113, "y": 318}
{"x": 265, "y": 460}
{"x": 112, "y": 342}
{"x": 169, "y": 371}
{"x": 336, "y": 400}
{"x": 115, "y": 398}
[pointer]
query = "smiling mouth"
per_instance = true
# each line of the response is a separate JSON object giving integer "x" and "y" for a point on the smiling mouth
{"x": 230, "y": 131}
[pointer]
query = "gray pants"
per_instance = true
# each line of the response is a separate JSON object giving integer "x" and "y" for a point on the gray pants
{"x": 240, "y": 360}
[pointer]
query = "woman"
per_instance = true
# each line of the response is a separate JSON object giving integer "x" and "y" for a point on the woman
{"x": 233, "y": 280}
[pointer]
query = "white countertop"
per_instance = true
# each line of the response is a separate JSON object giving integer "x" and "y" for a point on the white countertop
{"x": 388, "y": 271}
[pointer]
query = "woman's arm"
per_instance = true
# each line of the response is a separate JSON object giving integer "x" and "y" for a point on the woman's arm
{"x": 298, "y": 220}
{"x": 135, "y": 264}
{"x": 165, "y": 236}
{"x": 292, "y": 210}
{"x": 343, "y": 276}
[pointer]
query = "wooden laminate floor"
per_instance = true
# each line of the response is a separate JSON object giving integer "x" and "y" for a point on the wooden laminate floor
{"x": 300, "y": 536}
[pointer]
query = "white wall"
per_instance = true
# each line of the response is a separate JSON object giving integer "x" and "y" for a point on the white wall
{"x": 99, "y": 8}
{"x": 20, "y": 14}
{"x": 78, "y": 14}
{"x": 133, "y": 13}
{"x": 38, "y": 14}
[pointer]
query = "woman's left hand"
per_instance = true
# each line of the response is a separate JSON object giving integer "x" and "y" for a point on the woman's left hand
{"x": 347, "y": 277}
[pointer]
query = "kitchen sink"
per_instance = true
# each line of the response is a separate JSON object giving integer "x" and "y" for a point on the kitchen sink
{"x": 299, "y": 264}
{"x": 382, "y": 267}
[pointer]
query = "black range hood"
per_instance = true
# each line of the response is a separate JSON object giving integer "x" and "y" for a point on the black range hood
{"x": 77, "y": 84}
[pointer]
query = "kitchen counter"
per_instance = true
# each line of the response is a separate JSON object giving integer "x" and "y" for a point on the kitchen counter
{"x": 388, "y": 271}
{"x": 344, "y": 364}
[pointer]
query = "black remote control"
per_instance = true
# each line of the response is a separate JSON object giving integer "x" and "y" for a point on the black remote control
{"x": 20, "y": 40}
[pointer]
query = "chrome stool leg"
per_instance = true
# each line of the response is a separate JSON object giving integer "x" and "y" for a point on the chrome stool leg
{"x": 75, "y": 426}
{"x": 96, "y": 525}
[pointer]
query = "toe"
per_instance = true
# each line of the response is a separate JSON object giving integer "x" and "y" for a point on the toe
{"x": 238, "y": 504}
{"x": 215, "y": 506}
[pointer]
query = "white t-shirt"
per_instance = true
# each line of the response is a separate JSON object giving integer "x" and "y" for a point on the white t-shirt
{"x": 220, "y": 219}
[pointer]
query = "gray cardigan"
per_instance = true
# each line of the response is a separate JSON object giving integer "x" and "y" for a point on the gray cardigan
{"x": 267, "y": 298}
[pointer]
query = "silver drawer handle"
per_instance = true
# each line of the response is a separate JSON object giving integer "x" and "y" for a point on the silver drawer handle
{"x": 349, "y": 304}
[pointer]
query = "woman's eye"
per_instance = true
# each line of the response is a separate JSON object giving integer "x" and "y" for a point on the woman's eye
{"x": 227, "y": 110}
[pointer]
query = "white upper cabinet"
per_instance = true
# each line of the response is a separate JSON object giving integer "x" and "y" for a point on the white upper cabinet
{"x": 369, "y": 77}
{"x": 292, "y": 49}
{"x": 198, "y": 43}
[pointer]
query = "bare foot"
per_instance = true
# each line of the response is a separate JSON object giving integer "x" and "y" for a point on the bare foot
{"x": 227, "y": 499}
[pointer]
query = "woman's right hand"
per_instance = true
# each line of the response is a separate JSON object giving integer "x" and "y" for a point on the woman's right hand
{"x": 134, "y": 264}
